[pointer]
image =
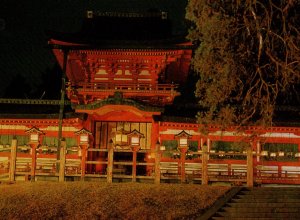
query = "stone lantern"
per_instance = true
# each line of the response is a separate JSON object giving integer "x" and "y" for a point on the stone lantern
{"x": 135, "y": 138}
{"x": 120, "y": 138}
{"x": 84, "y": 140}
{"x": 134, "y": 142}
{"x": 182, "y": 138}
{"x": 34, "y": 141}
{"x": 34, "y": 135}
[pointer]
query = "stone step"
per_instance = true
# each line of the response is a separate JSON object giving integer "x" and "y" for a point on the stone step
{"x": 272, "y": 189}
{"x": 259, "y": 215}
{"x": 268, "y": 196}
{"x": 270, "y": 192}
{"x": 262, "y": 210}
{"x": 263, "y": 205}
{"x": 287, "y": 187}
{"x": 243, "y": 218}
{"x": 274, "y": 200}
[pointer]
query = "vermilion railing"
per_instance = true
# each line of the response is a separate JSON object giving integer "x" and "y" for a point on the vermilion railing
{"x": 125, "y": 87}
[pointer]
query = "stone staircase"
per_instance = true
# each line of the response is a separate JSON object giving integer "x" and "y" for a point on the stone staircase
{"x": 263, "y": 203}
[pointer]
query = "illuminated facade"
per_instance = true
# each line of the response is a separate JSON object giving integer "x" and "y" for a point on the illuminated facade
{"x": 118, "y": 85}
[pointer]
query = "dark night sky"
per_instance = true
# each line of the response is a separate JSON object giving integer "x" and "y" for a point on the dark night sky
{"x": 27, "y": 66}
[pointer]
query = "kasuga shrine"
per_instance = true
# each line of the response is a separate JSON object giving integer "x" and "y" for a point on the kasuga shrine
{"x": 123, "y": 74}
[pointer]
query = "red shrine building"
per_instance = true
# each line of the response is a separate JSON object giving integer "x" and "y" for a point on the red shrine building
{"x": 122, "y": 70}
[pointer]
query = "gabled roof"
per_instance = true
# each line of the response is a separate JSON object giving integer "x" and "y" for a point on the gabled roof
{"x": 23, "y": 41}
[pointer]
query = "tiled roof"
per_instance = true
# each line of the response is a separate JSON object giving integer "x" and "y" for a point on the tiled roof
{"x": 23, "y": 42}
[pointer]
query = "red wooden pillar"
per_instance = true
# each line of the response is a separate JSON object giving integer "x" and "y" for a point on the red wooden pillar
{"x": 279, "y": 170}
{"x": 154, "y": 134}
{"x": 33, "y": 160}
{"x": 298, "y": 151}
{"x": 155, "y": 145}
{"x": 183, "y": 151}
{"x": 157, "y": 164}
{"x": 84, "y": 148}
{"x": 258, "y": 151}
{"x": 230, "y": 173}
{"x": 249, "y": 167}
{"x": 134, "y": 156}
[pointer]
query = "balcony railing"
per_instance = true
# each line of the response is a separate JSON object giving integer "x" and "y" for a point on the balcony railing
{"x": 93, "y": 87}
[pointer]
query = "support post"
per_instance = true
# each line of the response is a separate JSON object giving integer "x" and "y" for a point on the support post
{"x": 110, "y": 164}
{"x": 183, "y": 151}
{"x": 62, "y": 161}
{"x": 157, "y": 164}
{"x": 258, "y": 151}
{"x": 249, "y": 167}
{"x": 33, "y": 161}
{"x": 279, "y": 171}
{"x": 134, "y": 161}
{"x": 83, "y": 161}
{"x": 204, "y": 165}
{"x": 208, "y": 147}
{"x": 13, "y": 159}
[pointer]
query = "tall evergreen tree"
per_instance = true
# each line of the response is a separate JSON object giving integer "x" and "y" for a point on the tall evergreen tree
{"x": 247, "y": 58}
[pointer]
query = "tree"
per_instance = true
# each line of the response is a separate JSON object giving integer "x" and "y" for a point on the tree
{"x": 247, "y": 58}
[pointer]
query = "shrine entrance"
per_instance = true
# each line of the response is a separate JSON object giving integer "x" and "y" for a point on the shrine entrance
{"x": 129, "y": 142}
{"x": 116, "y": 133}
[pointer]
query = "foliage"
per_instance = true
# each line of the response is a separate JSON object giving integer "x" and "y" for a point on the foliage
{"x": 288, "y": 149}
{"x": 247, "y": 58}
{"x": 90, "y": 200}
{"x": 171, "y": 145}
{"x": 229, "y": 146}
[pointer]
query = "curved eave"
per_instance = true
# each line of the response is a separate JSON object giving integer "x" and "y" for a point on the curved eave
{"x": 166, "y": 44}
{"x": 121, "y": 102}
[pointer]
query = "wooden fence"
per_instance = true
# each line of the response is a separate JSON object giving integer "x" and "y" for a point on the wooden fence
{"x": 25, "y": 163}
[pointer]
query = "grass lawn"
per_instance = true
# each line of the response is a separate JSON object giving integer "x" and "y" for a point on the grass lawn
{"x": 91, "y": 200}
